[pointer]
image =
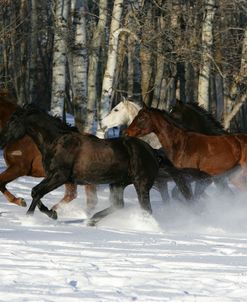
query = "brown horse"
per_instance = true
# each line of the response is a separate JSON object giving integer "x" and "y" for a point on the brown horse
{"x": 23, "y": 158}
{"x": 212, "y": 154}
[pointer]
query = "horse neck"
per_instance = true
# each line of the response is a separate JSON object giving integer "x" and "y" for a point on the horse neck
{"x": 132, "y": 110}
{"x": 167, "y": 132}
{"x": 41, "y": 135}
{"x": 192, "y": 120}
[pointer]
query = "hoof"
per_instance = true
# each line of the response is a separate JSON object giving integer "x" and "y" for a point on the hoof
{"x": 92, "y": 222}
{"x": 53, "y": 214}
{"x": 20, "y": 202}
{"x": 29, "y": 213}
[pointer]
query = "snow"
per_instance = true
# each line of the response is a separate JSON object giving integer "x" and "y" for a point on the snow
{"x": 181, "y": 253}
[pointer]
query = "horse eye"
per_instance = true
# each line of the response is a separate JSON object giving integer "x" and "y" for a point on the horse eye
{"x": 116, "y": 110}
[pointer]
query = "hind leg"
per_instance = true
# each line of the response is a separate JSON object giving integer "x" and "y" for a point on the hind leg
{"x": 10, "y": 174}
{"x": 200, "y": 187}
{"x": 69, "y": 194}
{"x": 182, "y": 184}
{"x": 92, "y": 198}
{"x": 117, "y": 202}
{"x": 162, "y": 187}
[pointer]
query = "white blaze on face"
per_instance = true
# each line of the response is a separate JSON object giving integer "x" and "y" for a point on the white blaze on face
{"x": 16, "y": 153}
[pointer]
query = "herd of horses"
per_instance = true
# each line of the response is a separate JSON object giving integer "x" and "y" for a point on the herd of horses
{"x": 186, "y": 145}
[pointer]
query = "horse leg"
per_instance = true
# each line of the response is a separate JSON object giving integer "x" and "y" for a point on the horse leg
{"x": 10, "y": 174}
{"x": 45, "y": 186}
{"x": 162, "y": 187}
{"x": 117, "y": 202}
{"x": 200, "y": 187}
{"x": 180, "y": 181}
{"x": 142, "y": 190}
{"x": 69, "y": 195}
{"x": 92, "y": 198}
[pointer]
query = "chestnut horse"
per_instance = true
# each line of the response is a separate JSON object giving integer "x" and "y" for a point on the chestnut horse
{"x": 212, "y": 154}
{"x": 69, "y": 156}
{"x": 23, "y": 158}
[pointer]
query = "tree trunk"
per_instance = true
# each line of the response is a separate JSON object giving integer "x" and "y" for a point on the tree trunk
{"x": 107, "y": 85}
{"x": 59, "y": 57}
{"x": 240, "y": 80}
{"x": 79, "y": 62}
{"x": 207, "y": 41}
{"x": 93, "y": 62}
{"x": 33, "y": 56}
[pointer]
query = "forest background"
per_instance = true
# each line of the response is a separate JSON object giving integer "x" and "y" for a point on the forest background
{"x": 84, "y": 56}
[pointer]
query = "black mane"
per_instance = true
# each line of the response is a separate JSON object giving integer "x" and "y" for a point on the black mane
{"x": 46, "y": 118}
{"x": 170, "y": 118}
{"x": 205, "y": 114}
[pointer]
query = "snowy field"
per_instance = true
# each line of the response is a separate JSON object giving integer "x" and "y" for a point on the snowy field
{"x": 182, "y": 253}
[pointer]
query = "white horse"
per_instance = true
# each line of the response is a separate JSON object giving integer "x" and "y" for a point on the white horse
{"x": 122, "y": 115}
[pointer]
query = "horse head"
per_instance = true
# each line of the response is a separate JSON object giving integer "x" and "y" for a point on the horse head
{"x": 120, "y": 115}
{"x": 142, "y": 123}
{"x": 117, "y": 116}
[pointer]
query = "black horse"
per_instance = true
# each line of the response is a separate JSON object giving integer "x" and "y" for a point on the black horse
{"x": 69, "y": 156}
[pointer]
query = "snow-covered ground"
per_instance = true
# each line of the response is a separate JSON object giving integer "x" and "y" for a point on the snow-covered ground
{"x": 182, "y": 253}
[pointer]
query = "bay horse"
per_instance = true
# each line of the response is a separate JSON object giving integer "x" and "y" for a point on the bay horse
{"x": 195, "y": 118}
{"x": 23, "y": 158}
{"x": 69, "y": 156}
{"x": 213, "y": 154}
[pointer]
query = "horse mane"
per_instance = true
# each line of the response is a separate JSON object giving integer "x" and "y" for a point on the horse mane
{"x": 169, "y": 118}
{"x": 205, "y": 114}
{"x": 51, "y": 121}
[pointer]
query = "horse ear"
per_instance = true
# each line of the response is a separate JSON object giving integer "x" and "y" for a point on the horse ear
{"x": 124, "y": 99}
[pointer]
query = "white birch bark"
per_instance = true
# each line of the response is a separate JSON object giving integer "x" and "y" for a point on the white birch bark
{"x": 207, "y": 41}
{"x": 93, "y": 62}
{"x": 79, "y": 62}
{"x": 240, "y": 97}
{"x": 59, "y": 57}
{"x": 34, "y": 47}
{"x": 107, "y": 85}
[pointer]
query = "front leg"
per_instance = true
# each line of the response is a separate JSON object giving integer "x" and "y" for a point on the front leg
{"x": 47, "y": 185}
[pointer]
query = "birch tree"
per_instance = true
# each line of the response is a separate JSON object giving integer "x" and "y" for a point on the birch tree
{"x": 59, "y": 57}
{"x": 34, "y": 49}
{"x": 107, "y": 85}
{"x": 93, "y": 63}
{"x": 79, "y": 62}
{"x": 240, "y": 96}
{"x": 206, "y": 46}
